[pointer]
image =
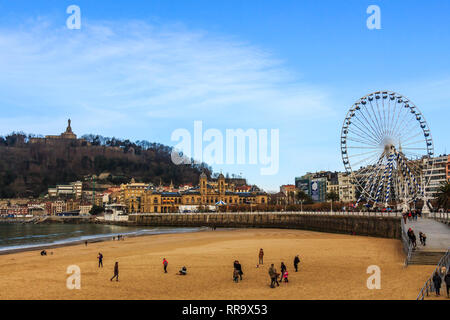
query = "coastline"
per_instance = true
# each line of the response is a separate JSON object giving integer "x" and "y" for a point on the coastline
{"x": 95, "y": 239}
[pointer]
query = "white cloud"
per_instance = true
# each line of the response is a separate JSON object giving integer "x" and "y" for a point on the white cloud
{"x": 151, "y": 71}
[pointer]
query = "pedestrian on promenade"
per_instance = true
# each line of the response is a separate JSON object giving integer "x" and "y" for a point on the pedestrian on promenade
{"x": 421, "y": 238}
{"x": 238, "y": 267}
{"x": 165, "y": 264}
{"x": 437, "y": 283}
{"x": 443, "y": 271}
{"x": 273, "y": 276}
{"x": 447, "y": 283}
{"x": 116, "y": 272}
{"x": 405, "y": 215}
{"x": 261, "y": 256}
{"x": 100, "y": 260}
{"x": 296, "y": 262}
{"x": 413, "y": 239}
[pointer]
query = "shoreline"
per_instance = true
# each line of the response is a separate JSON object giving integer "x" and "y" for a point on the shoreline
{"x": 95, "y": 239}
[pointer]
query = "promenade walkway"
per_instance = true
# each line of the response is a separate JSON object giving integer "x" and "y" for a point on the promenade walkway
{"x": 438, "y": 234}
{"x": 437, "y": 243}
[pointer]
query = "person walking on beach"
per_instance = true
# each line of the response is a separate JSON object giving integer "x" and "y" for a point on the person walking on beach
{"x": 437, "y": 283}
{"x": 283, "y": 270}
{"x": 261, "y": 256}
{"x": 165, "y": 264}
{"x": 236, "y": 275}
{"x": 116, "y": 272}
{"x": 273, "y": 276}
{"x": 85, "y": 243}
{"x": 100, "y": 260}
{"x": 238, "y": 267}
{"x": 296, "y": 262}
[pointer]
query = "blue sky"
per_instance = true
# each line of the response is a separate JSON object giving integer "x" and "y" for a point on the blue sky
{"x": 142, "y": 69}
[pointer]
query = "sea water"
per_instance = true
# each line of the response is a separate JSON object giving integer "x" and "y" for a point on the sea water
{"x": 28, "y": 236}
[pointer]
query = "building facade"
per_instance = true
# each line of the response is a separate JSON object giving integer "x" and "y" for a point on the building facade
{"x": 436, "y": 174}
{"x": 144, "y": 198}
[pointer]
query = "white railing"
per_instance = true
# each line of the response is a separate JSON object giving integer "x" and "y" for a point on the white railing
{"x": 325, "y": 213}
{"x": 440, "y": 216}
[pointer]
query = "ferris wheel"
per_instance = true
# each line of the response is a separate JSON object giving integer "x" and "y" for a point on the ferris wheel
{"x": 386, "y": 146}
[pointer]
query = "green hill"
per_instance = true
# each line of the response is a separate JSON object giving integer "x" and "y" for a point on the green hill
{"x": 29, "y": 165}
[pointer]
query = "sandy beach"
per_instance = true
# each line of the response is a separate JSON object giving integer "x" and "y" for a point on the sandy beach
{"x": 332, "y": 266}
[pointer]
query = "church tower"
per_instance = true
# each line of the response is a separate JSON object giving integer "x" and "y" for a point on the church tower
{"x": 203, "y": 184}
{"x": 221, "y": 181}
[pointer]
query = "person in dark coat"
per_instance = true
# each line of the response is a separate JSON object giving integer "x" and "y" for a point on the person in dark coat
{"x": 238, "y": 267}
{"x": 437, "y": 283}
{"x": 100, "y": 260}
{"x": 273, "y": 276}
{"x": 447, "y": 283}
{"x": 283, "y": 270}
{"x": 116, "y": 272}
{"x": 296, "y": 262}
{"x": 182, "y": 272}
{"x": 413, "y": 239}
{"x": 261, "y": 256}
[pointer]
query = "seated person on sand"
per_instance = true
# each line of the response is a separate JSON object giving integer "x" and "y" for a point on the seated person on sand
{"x": 43, "y": 253}
{"x": 183, "y": 271}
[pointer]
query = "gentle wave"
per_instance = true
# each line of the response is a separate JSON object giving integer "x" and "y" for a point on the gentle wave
{"x": 92, "y": 237}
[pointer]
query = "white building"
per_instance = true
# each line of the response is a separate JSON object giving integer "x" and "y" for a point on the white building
{"x": 347, "y": 189}
{"x": 74, "y": 188}
{"x": 85, "y": 209}
{"x": 115, "y": 212}
{"x": 436, "y": 175}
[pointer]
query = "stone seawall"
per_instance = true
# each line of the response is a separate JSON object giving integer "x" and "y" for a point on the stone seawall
{"x": 384, "y": 227}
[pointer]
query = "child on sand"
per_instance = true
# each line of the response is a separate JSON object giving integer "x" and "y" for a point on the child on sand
{"x": 285, "y": 276}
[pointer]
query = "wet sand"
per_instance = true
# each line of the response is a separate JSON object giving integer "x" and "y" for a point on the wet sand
{"x": 332, "y": 266}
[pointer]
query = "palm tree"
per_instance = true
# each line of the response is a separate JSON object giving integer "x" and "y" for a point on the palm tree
{"x": 303, "y": 197}
{"x": 333, "y": 196}
{"x": 443, "y": 195}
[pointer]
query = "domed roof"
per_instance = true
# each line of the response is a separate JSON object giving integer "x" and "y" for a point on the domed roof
{"x": 203, "y": 176}
{"x": 221, "y": 176}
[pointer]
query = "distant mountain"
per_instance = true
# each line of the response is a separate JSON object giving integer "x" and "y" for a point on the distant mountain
{"x": 29, "y": 164}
